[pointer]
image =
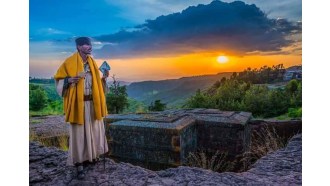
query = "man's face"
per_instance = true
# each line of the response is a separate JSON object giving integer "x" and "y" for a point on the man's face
{"x": 85, "y": 49}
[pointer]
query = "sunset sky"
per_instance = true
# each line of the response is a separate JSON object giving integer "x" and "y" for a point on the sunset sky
{"x": 166, "y": 39}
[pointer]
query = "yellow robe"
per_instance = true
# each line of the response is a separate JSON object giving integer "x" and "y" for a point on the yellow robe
{"x": 74, "y": 98}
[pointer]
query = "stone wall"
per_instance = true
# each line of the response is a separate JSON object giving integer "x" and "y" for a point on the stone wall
{"x": 187, "y": 141}
{"x": 227, "y": 132}
{"x": 284, "y": 128}
{"x": 152, "y": 141}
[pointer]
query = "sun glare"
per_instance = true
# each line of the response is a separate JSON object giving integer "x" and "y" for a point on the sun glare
{"x": 222, "y": 59}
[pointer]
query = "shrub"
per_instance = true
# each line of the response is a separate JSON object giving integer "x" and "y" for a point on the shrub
{"x": 37, "y": 98}
{"x": 230, "y": 95}
{"x": 116, "y": 99}
{"x": 157, "y": 106}
{"x": 256, "y": 100}
{"x": 295, "y": 112}
{"x": 199, "y": 100}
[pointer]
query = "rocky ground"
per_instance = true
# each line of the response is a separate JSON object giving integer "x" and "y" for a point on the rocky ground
{"x": 48, "y": 126}
{"x": 283, "y": 167}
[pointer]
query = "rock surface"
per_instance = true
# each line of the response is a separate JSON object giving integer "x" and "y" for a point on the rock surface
{"x": 48, "y": 126}
{"x": 283, "y": 167}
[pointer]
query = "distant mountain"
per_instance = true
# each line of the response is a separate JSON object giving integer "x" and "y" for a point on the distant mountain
{"x": 121, "y": 83}
{"x": 172, "y": 91}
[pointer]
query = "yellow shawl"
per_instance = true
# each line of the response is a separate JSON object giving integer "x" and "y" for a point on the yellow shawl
{"x": 74, "y": 99}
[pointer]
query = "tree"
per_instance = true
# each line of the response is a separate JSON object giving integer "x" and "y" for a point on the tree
{"x": 37, "y": 97}
{"x": 199, "y": 100}
{"x": 292, "y": 86}
{"x": 294, "y": 89}
{"x": 116, "y": 99}
{"x": 229, "y": 95}
{"x": 256, "y": 100}
{"x": 279, "y": 103}
{"x": 157, "y": 106}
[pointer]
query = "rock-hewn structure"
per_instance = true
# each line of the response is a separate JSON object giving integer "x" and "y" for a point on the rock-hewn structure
{"x": 283, "y": 167}
{"x": 284, "y": 128}
{"x": 168, "y": 137}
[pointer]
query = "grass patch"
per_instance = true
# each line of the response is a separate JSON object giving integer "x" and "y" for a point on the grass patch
{"x": 59, "y": 141}
{"x": 35, "y": 121}
{"x": 262, "y": 142}
{"x": 295, "y": 112}
{"x": 283, "y": 117}
{"x": 46, "y": 112}
{"x": 216, "y": 162}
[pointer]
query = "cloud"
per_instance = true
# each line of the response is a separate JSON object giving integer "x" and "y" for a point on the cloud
{"x": 52, "y": 31}
{"x": 289, "y": 9}
{"x": 139, "y": 10}
{"x": 48, "y": 34}
{"x": 50, "y": 49}
{"x": 236, "y": 27}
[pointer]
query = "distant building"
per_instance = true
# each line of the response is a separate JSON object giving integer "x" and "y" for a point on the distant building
{"x": 294, "y": 72}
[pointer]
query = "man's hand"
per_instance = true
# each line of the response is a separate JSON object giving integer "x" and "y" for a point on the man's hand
{"x": 106, "y": 75}
{"x": 74, "y": 79}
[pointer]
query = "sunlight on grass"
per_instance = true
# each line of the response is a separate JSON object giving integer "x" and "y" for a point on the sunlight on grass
{"x": 215, "y": 162}
{"x": 263, "y": 142}
{"x": 59, "y": 141}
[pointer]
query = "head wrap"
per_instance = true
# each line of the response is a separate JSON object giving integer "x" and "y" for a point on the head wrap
{"x": 83, "y": 40}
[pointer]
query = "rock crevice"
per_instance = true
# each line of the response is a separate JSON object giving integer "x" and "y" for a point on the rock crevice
{"x": 48, "y": 167}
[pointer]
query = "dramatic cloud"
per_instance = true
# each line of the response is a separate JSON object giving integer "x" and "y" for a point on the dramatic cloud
{"x": 236, "y": 27}
{"x": 139, "y": 10}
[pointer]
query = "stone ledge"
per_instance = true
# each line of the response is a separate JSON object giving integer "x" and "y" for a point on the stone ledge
{"x": 283, "y": 167}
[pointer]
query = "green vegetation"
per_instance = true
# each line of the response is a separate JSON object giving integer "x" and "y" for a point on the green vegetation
{"x": 263, "y": 75}
{"x": 157, "y": 106}
{"x": 37, "y": 97}
{"x": 240, "y": 94}
{"x": 199, "y": 100}
{"x": 42, "y": 81}
{"x": 135, "y": 106}
{"x": 295, "y": 112}
{"x": 116, "y": 99}
{"x": 173, "y": 92}
{"x": 259, "y": 91}
{"x": 43, "y": 100}
{"x": 35, "y": 121}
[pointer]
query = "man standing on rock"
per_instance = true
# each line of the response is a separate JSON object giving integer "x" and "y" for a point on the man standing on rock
{"x": 80, "y": 85}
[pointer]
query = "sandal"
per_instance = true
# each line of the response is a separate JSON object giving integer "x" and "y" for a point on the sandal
{"x": 81, "y": 173}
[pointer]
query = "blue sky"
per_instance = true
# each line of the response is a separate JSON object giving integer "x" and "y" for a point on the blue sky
{"x": 51, "y": 19}
{"x": 121, "y": 26}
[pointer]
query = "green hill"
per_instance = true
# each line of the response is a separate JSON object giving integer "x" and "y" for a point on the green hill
{"x": 173, "y": 92}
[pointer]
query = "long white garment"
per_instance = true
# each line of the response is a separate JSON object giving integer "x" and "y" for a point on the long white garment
{"x": 87, "y": 141}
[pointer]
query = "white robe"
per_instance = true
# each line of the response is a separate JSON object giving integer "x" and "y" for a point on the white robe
{"x": 87, "y": 141}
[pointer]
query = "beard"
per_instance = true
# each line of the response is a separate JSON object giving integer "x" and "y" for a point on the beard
{"x": 87, "y": 52}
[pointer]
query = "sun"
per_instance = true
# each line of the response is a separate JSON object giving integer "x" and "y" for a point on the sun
{"x": 222, "y": 59}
